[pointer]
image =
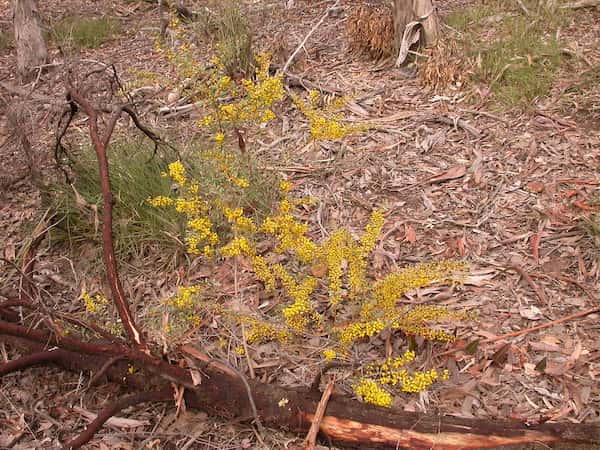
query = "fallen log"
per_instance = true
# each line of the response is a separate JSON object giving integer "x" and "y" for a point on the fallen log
{"x": 346, "y": 422}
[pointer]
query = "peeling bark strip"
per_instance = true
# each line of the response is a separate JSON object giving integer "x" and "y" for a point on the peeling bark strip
{"x": 340, "y": 429}
{"x": 31, "y": 48}
{"x": 346, "y": 422}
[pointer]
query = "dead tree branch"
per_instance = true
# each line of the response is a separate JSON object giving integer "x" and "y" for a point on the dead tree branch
{"x": 131, "y": 400}
{"x": 108, "y": 253}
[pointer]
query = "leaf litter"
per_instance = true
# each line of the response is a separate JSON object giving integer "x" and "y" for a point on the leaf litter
{"x": 514, "y": 195}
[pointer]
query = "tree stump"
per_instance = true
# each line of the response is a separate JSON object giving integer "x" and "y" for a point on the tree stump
{"x": 416, "y": 22}
{"x": 31, "y": 48}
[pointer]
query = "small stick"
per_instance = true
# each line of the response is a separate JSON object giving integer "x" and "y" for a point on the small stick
{"x": 457, "y": 123}
{"x": 531, "y": 283}
{"x": 311, "y": 437}
{"x": 313, "y": 29}
{"x": 530, "y": 330}
{"x": 163, "y": 395}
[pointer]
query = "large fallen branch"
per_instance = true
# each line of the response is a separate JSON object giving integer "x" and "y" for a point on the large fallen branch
{"x": 346, "y": 421}
{"x": 223, "y": 391}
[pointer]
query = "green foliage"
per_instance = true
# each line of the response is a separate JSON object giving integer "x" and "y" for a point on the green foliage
{"x": 80, "y": 32}
{"x": 136, "y": 174}
{"x": 231, "y": 35}
{"x": 234, "y": 40}
{"x": 517, "y": 55}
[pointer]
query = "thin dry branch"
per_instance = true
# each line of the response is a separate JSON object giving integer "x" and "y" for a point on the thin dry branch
{"x": 311, "y": 437}
{"x": 162, "y": 395}
{"x": 24, "y": 362}
{"x": 308, "y": 35}
{"x": 524, "y": 331}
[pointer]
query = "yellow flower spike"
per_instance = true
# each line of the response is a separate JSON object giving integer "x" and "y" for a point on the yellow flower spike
{"x": 329, "y": 354}
{"x": 370, "y": 392}
{"x": 160, "y": 201}
{"x": 177, "y": 173}
{"x": 219, "y": 138}
{"x": 263, "y": 273}
{"x": 359, "y": 330}
{"x": 285, "y": 186}
{"x": 238, "y": 246}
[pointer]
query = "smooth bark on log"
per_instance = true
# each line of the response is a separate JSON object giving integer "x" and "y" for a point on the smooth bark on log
{"x": 423, "y": 11}
{"x": 30, "y": 44}
{"x": 346, "y": 421}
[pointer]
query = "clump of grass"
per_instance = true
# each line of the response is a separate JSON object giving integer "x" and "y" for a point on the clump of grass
{"x": 135, "y": 175}
{"x": 232, "y": 37}
{"x": 80, "y": 32}
{"x": 516, "y": 55}
{"x": 140, "y": 229}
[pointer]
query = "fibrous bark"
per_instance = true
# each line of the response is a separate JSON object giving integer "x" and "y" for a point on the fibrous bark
{"x": 423, "y": 11}
{"x": 416, "y": 24}
{"x": 31, "y": 48}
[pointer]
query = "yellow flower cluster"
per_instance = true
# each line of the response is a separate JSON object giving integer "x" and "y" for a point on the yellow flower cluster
{"x": 254, "y": 99}
{"x": 329, "y": 354}
{"x": 201, "y": 238}
{"x": 388, "y": 291}
{"x": 219, "y": 138}
{"x": 232, "y": 177}
{"x": 160, "y": 201}
{"x": 263, "y": 272}
{"x": 392, "y": 373}
{"x": 290, "y": 233}
{"x": 239, "y": 245}
{"x": 416, "y": 321}
{"x": 358, "y": 330}
{"x": 94, "y": 305}
{"x": 370, "y": 392}
{"x": 325, "y": 123}
{"x": 297, "y": 315}
{"x": 240, "y": 223}
{"x": 341, "y": 250}
{"x": 185, "y": 298}
{"x": 200, "y": 232}
{"x": 285, "y": 187}
{"x": 339, "y": 265}
{"x": 260, "y": 331}
{"x": 177, "y": 173}
{"x": 335, "y": 250}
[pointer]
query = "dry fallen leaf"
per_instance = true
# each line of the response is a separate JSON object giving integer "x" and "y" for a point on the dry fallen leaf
{"x": 409, "y": 233}
{"x": 450, "y": 174}
{"x": 530, "y": 312}
{"x": 535, "y": 186}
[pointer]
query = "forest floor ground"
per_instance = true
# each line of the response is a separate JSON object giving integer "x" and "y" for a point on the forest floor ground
{"x": 512, "y": 193}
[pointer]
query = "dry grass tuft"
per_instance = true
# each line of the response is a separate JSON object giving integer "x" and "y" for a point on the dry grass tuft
{"x": 371, "y": 30}
{"x": 446, "y": 66}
